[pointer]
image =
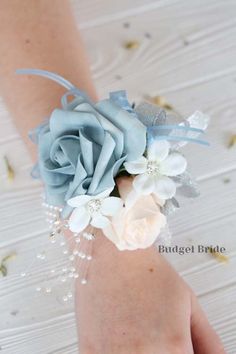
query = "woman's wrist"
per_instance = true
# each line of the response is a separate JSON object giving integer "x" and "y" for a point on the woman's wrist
{"x": 105, "y": 251}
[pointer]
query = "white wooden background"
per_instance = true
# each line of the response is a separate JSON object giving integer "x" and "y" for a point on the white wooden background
{"x": 190, "y": 58}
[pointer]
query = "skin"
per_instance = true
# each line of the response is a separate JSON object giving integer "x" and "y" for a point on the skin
{"x": 148, "y": 309}
{"x": 134, "y": 302}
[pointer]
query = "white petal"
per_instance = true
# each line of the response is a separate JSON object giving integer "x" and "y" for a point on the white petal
{"x": 103, "y": 194}
{"x": 158, "y": 200}
{"x": 165, "y": 188}
{"x": 144, "y": 184}
{"x": 131, "y": 199}
{"x": 79, "y": 220}
{"x": 136, "y": 167}
{"x": 79, "y": 201}
{"x": 158, "y": 150}
{"x": 110, "y": 206}
{"x": 173, "y": 165}
{"x": 100, "y": 221}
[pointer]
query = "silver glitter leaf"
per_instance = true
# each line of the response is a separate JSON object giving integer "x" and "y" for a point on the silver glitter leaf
{"x": 150, "y": 114}
{"x": 187, "y": 185}
{"x": 170, "y": 207}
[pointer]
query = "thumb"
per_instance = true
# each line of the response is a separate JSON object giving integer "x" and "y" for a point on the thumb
{"x": 204, "y": 338}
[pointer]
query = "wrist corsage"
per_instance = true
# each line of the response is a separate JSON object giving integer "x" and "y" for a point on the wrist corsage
{"x": 114, "y": 167}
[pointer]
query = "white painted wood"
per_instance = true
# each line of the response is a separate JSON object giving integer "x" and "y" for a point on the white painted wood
{"x": 190, "y": 59}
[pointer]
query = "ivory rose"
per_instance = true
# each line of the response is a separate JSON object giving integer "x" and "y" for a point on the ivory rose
{"x": 138, "y": 224}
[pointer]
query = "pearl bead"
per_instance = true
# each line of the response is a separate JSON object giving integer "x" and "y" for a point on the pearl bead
{"x": 65, "y": 252}
{"x": 65, "y": 298}
{"x": 38, "y": 288}
{"x": 69, "y": 294}
{"x": 76, "y": 275}
{"x": 88, "y": 236}
{"x": 89, "y": 258}
{"x": 63, "y": 279}
{"x": 71, "y": 258}
{"x": 83, "y": 281}
{"x": 81, "y": 255}
{"x": 48, "y": 290}
{"x": 23, "y": 274}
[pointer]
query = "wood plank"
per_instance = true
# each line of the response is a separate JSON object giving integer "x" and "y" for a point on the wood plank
{"x": 190, "y": 59}
{"x": 91, "y": 13}
{"x": 95, "y": 13}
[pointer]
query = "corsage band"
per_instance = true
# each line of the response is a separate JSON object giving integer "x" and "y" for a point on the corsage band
{"x": 112, "y": 166}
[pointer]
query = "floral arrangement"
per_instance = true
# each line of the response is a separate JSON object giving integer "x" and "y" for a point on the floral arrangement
{"x": 115, "y": 167}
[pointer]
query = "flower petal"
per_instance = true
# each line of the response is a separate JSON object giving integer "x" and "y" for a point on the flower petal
{"x": 111, "y": 205}
{"x": 134, "y": 131}
{"x": 99, "y": 221}
{"x": 131, "y": 199}
{"x": 144, "y": 184}
{"x": 103, "y": 194}
{"x": 79, "y": 220}
{"x": 79, "y": 201}
{"x": 173, "y": 165}
{"x": 165, "y": 188}
{"x": 136, "y": 167}
{"x": 158, "y": 150}
{"x": 158, "y": 200}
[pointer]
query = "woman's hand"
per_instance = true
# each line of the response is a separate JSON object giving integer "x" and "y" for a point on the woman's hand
{"x": 135, "y": 302}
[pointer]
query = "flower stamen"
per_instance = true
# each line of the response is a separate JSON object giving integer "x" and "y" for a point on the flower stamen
{"x": 94, "y": 205}
{"x": 153, "y": 167}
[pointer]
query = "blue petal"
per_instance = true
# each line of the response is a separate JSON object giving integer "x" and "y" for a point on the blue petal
{"x": 134, "y": 130}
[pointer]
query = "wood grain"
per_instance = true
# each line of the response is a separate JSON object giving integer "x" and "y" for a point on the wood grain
{"x": 187, "y": 53}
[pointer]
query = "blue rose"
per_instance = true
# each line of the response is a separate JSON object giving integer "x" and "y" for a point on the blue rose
{"x": 82, "y": 148}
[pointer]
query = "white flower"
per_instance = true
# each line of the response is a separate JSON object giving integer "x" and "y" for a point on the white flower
{"x": 136, "y": 226}
{"x": 154, "y": 171}
{"x": 93, "y": 210}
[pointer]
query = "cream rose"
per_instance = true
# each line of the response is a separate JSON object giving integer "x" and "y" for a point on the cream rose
{"x": 138, "y": 224}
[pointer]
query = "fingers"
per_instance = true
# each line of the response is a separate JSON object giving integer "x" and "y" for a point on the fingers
{"x": 204, "y": 338}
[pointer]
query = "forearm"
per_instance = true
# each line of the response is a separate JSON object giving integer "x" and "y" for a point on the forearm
{"x": 39, "y": 34}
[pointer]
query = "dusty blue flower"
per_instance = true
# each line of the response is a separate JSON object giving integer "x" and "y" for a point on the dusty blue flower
{"x": 82, "y": 148}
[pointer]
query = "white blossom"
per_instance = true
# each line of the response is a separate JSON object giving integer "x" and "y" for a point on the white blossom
{"x": 93, "y": 210}
{"x": 154, "y": 172}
